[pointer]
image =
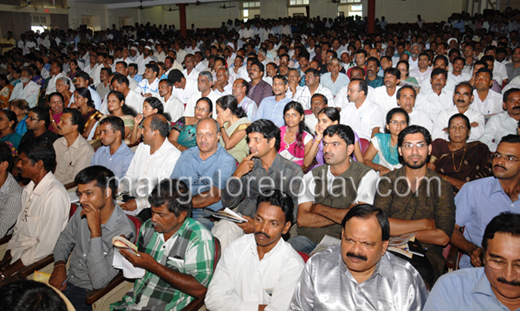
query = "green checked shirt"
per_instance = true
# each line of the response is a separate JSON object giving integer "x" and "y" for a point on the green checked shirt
{"x": 153, "y": 293}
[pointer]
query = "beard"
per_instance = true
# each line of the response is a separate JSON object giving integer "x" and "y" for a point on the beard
{"x": 415, "y": 165}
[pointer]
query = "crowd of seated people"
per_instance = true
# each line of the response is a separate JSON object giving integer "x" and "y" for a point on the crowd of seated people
{"x": 308, "y": 129}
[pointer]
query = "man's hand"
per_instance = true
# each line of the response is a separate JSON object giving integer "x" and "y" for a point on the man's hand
{"x": 248, "y": 226}
{"x": 474, "y": 124}
{"x": 93, "y": 216}
{"x": 139, "y": 260}
{"x": 245, "y": 166}
{"x": 130, "y": 205}
{"x": 476, "y": 257}
{"x": 58, "y": 277}
{"x": 147, "y": 95}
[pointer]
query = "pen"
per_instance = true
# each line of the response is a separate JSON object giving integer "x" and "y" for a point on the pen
{"x": 66, "y": 280}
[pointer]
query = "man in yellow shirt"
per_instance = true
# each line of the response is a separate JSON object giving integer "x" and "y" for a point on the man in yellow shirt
{"x": 7, "y": 43}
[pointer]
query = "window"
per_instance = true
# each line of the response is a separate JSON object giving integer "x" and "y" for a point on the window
{"x": 251, "y": 4}
{"x": 298, "y": 2}
{"x": 250, "y": 9}
{"x": 39, "y": 22}
{"x": 349, "y": 1}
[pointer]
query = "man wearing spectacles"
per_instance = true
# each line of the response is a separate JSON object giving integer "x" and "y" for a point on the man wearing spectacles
{"x": 38, "y": 121}
{"x": 417, "y": 200}
{"x": 496, "y": 286}
{"x": 482, "y": 199}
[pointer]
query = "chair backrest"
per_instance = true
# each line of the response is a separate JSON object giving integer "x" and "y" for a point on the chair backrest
{"x": 305, "y": 257}
{"x": 308, "y": 111}
{"x": 363, "y": 144}
{"x": 137, "y": 224}
{"x": 73, "y": 208}
{"x": 218, "y": 252}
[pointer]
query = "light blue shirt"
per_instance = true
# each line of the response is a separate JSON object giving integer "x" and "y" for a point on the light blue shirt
{"x": 334, "y": 87}
{"x": 201, "y": 175}
{"x": 478, "y": 202}
{"x": 117, "y": 162}
{"x": 465, "y": 289}
{"x": 272, "y": 110}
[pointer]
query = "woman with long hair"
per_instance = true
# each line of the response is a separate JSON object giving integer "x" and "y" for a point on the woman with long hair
{"x": 382, "y": 154}
{"x": 183, "y": 130}
{"x": 326, "y": 117}
{"x": 74, "y": 69}
{"x": 233, "y": 123}
{"x": 7, "y": 130}
{"x": 56, "y": 106}
{"x": 151, "y": 105}
{"x": 21, "y": 108}
{"x": 84, "y": 103}
{"x": 296, "y": 139}
{"x": 117, "y": 107}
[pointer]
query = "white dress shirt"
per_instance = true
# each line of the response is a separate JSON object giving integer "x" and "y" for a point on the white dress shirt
{"x": 432, "y": 104}
{"x": 147, "y": 170}
{"x": 381, "y": 97}
{"x": 453, "y": 80}
{"x": 30, "y": 93}
{"x": 497, "y": 127}
{"x": 444, "y": 116}
{"x": 419, "y": 117}
{"x": 174, "y": 107}
{"x": 492, "y": 104}
{"x": 194, "y": 74}
{"x": 135, "y": 101}
{"x": 243, "y": 282}
{"x": 45, "y": 213}
{"x": 363, "y": 119}
{"x": 184, "y": 94}
{"x": 192, "y": 102}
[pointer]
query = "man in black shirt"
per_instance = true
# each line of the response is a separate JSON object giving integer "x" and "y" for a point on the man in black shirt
{"x": 38, "y": 121}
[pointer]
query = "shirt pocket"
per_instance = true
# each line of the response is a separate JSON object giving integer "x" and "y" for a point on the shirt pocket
{"x": 31, "y": 228}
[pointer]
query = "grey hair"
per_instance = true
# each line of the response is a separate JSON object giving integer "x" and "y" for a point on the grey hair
{"x": 416, "y": 44}
{"x": 64, "y": 79}
{"x": 336, "y": 61}
{"x": 206, "y": 74}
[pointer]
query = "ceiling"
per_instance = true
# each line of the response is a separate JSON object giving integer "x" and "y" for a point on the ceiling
{"x": 119, "y": 4}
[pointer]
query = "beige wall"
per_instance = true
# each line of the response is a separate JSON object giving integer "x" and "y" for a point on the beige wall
{"x": 77, "y": 9}
{"x": 406, "y": 11}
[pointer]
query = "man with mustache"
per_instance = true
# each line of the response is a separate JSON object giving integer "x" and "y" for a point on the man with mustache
{"x": 205, "y": 169}
{"x": 480, "y": 200}
{"x": 496, "y": 286}
{"x": 438, "y": 98}
{"x": 259, "y": 270}
{"x": 359, "y": 274}
{"x": 503, "y": 123}
{"x": 176, "y": 252}
{"x": 462, "y": 99}
{"x": 416, "y": 200}
{"x": 332, "y": 189}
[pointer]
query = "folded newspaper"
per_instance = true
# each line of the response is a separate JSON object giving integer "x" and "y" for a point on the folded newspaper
{"x": 399, "y": 244}
{"x": 228, "y": 214}
{"x": 325, "y": 243}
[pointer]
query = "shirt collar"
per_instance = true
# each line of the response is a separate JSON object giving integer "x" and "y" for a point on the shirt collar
{"x": 7, "y": 186}
{"x": 483, "y": 286}
{"x": 114, "y": 218}
{"x": 495, "y": 186}
{"x": 43, "y": 185}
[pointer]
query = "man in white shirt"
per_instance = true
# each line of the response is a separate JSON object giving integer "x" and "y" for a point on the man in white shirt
{"x": 487, "y": 101}
{"x": 364, "y": 116}
{"x": 122, "y": 68}
{"x": 406, "y": 99}
{"x": 200, "y": 66}
{"x": 312, "y": 86}
{"x": 462, "y": 98}
{"x": 26, "y": 89}
{"x": 149, "y": 86}
{"x": 258, "y": 271}
{"x": 503, "y": 123}
{"x": 438, "y": 98}
{"x": 190, "y": 72}
{"x": 171, "y": 63}
{"x": 222, "y": 86}
{"x": 423, "y": 70}
{"x": 45, "y": 205}
{"x": 55, "y": 72}
{"x": 318, "y": 102}
{"x": 385, "y": 96}
{"x": 153, "y": 161}
{"x": 132, "y": 98}
{"x": 181, "y": 53}
{"x": 457, "y": 75}
{"x": 205, "y": 82}
{"x": 83, "y": 80}
{"x": 171, "y": 104}
{"x": 184, "y": 88}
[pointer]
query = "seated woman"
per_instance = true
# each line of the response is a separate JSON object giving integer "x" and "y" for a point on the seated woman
{"x": 382, "y": 154}
{"x": 56, "y": 110}
{"x": 63, "y": 87}
{"x": 151, "y": 105}
{"x": 7, "y": 130}
{"x": 183, "y": 130}
{"x": 326, "y": 117}
{"x": 74, "y": 69}
{"x": 404, "y": 68}
{"x": 296, "y": 139}
{"x": 5, "y": 91}
{"x": 456, "y": 160}
{"x": 117, "y": 107}
{"x": 20, "y": 107}
{"x": 84, "y": 103}
{"x": 233, "y": 123}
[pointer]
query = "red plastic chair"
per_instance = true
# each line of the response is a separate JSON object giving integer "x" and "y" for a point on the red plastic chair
{"x": 363, "y": 144}
{"x": 308, "y": 111}
{"x": 305, "y": 257}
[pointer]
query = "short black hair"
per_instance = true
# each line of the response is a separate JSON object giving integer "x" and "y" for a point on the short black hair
{"x": 6, "y": 155}
{"x": 153, "y": 67}
{"x": 36, "y": 150}
{"x": 120, "y": 79}
{"x": 174, "y": 193}
{"x": 505, "y": 222}
{"x": 268, "y": 129}
{"x": 280, "y": 199}
{"x": 365, "y": 211}
{"x": 160, "y": 125}
{"x": 116, "y": 124}
{"x": 104, "y": 178}
{"x": 510, "y": 139}
{"x": 439, "y": 71}
{"x": 406, "y": 87}
{"x": 175, "y": 76}
{"x": 373, "y": 59}
{"x": 83, "y": 75}
{"x": 363, "y": 86}
{"x": 323, "y": 98}
{"x": 414, "y": 129}
{"x": 29, "y": 295}
{"x": 343, "y": 131}
{"x": 509, "y": 92}
{"x": 76, "y": 118}
{"x": 42, "y": 115}
{"x": 259, "y": 64}
{"x": 393, "y": 71}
